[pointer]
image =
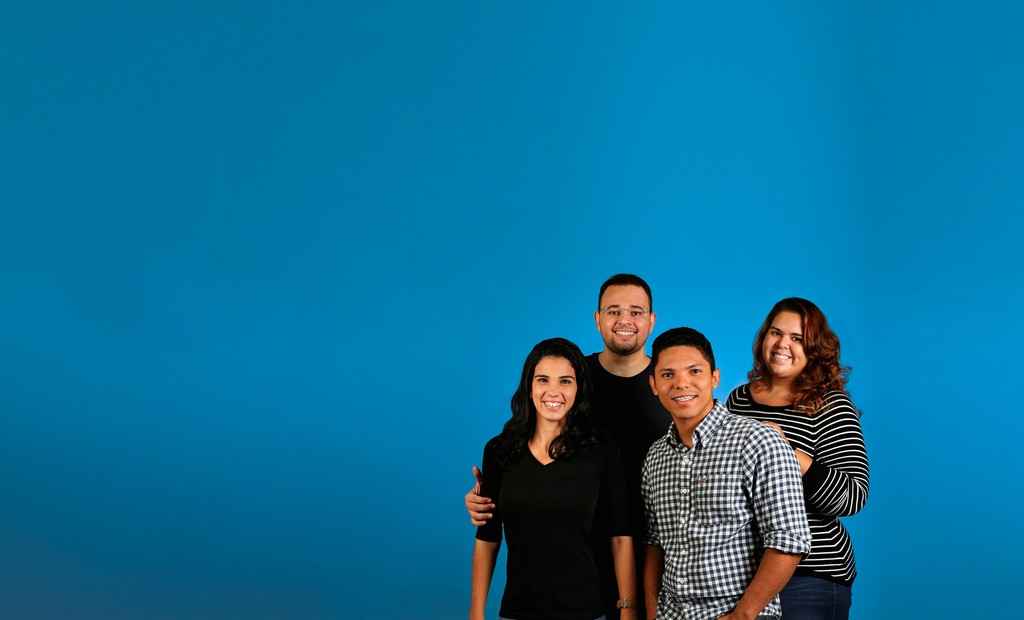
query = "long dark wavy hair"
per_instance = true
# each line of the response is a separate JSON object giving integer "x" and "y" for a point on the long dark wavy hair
{"x": 823, "y": 372}
{"x": 578, "y": 431}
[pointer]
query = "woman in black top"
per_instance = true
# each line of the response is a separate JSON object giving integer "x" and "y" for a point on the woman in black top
{"x": 554, "y": 478}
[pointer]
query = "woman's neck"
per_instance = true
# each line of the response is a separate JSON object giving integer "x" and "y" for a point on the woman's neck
{"x": 544, "y": 432}
{"x": 780, "y": 393}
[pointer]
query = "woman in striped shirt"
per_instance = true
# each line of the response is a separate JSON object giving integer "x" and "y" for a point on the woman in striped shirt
{"x": 798, "y": 386}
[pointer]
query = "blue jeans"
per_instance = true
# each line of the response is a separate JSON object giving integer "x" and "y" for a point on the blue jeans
{"x": 811, "y": 598}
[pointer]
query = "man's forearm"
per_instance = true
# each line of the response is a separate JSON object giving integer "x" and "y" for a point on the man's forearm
{"x": 654, "y": 565}
{"x": 772, "y": 575}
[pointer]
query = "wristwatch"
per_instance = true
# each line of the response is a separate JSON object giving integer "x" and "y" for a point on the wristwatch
{"x": 625, "y": 603}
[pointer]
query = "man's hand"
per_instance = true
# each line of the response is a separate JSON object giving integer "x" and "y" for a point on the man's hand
{"x": 477, "y": 506}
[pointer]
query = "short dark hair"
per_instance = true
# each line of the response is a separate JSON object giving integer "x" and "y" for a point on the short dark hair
{"x": 626, "y": 279}
{"x": 683, "y": 337}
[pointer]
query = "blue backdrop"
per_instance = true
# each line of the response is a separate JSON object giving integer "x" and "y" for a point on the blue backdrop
{"x": 270, "y": 270}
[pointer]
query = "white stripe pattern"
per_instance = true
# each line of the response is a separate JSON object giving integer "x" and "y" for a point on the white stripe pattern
{"x": 835, "y": 486}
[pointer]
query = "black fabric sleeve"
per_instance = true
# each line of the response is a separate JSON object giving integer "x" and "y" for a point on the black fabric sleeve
{"x": 491, "y": 487}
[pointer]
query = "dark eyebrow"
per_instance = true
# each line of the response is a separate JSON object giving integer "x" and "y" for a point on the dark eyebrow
{"x": 687, "y": 367}
{"x": 779, "y": 329}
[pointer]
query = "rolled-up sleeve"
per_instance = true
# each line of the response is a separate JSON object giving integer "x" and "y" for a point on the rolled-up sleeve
{"x": 773, "y": 475}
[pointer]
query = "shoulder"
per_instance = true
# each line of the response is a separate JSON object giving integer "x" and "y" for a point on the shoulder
{"x": 492, "y": 445}
{"x": 659, "y": 447}
{"x": 837, "y": 403}
{"x": 605, "y": 450}
{"x": 745, "y": 425}
{"x": 756, "y": 435}
{"x": 740, "y": 395}
{"x": 605, "y": 443}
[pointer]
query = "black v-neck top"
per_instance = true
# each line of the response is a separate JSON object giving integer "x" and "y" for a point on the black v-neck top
{"x": 548, "y": 513}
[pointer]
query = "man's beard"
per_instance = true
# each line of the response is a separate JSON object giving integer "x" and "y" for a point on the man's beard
{"x": 620, "y": 348}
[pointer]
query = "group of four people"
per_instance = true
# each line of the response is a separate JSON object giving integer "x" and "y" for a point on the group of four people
{"x": 728, "y": 507}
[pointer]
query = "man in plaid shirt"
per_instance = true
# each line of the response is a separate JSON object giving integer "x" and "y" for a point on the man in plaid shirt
{"x": 723, "y": 498}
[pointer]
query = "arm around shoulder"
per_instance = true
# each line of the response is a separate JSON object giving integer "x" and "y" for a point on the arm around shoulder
{"x": 478, "y": 507}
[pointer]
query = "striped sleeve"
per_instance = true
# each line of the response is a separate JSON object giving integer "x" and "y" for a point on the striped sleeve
{"x": 836, "y": 485}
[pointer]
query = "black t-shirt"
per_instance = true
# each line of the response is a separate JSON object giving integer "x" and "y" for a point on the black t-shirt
{"x": 627, "y": 409}
{"x": 548, "y": 513}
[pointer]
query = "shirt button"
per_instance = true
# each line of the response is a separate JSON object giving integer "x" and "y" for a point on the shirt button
{"x": 686, "y": 491}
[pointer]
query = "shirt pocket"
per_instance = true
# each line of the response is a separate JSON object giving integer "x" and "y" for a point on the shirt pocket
{"x": 719, "y": 498}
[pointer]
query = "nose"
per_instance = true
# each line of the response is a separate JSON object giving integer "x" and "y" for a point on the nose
{"x": 551, "y": 389}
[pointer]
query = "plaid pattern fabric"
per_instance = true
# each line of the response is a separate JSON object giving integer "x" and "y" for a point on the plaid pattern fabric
{"x": 713, "y": 509}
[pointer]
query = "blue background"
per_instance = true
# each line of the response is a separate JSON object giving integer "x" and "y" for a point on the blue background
{"x": 270, "y": 270}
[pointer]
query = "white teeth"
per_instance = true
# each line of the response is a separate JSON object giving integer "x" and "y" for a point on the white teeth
{"x": 625, "y": 333}
{"x": 552, "y": 405}
{"x": 781, "y": 357}
{"x": 684, "y": 398}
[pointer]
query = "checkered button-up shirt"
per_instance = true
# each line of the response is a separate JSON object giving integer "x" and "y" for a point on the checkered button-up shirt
{"x": 714, "y": 508}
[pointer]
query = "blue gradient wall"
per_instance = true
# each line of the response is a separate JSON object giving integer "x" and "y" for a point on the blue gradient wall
{"x": 269, "y": 273}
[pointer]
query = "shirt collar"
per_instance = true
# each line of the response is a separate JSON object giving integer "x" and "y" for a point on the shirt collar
{"x": 706, "y": 430}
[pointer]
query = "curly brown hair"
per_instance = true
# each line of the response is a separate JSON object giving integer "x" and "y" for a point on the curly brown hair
{"x": 823, "y": 372}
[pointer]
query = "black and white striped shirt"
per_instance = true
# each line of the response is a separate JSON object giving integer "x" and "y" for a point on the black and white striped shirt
{"x": 836, "y": 485}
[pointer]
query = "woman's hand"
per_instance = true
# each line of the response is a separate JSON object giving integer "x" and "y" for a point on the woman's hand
{"x": 771, "y": 424}
{"x": 802, "y": 457}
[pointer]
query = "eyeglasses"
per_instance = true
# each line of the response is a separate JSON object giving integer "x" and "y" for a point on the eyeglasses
{"x": 635, "y": 312}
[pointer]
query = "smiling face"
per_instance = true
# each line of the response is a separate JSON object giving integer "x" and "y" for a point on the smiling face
{"x": 624, "y": 318}
{"x": 684, "y": 383}
{"x": 783, "y": 348}
{"x": 553, "y": 389}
